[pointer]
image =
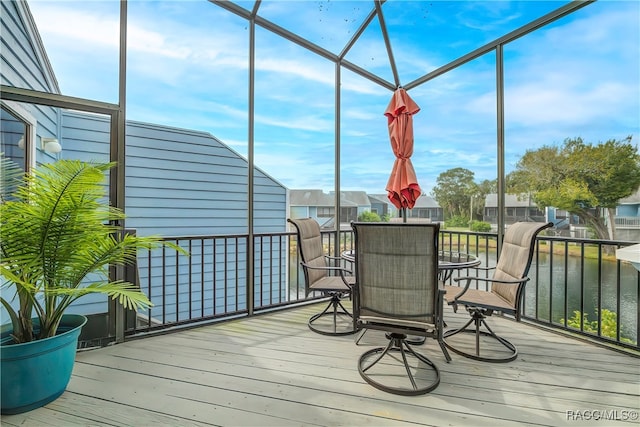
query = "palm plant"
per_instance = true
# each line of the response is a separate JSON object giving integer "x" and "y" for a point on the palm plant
{"x": 55, "y": 230}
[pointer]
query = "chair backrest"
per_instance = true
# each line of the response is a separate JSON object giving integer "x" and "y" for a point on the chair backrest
{"x": 515, "y": 258}
{"x": 396, "y": 271}
{"x": 310, "y": 249}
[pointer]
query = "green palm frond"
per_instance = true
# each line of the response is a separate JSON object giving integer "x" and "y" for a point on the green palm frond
{"x": 54, "y": 232}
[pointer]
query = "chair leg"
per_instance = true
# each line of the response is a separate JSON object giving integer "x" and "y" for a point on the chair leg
{"x": 444, "y": 350}
{"x": 479, "y": 320}
{"x": 335, "y": 309}
{"x": 397, "y": 344}
{"x": 360, "y": 335}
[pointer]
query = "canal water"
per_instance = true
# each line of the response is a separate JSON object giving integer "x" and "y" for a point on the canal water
{"x": 565, "y": 285}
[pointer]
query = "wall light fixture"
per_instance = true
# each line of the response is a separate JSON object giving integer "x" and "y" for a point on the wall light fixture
{"x": 51, "y": 145}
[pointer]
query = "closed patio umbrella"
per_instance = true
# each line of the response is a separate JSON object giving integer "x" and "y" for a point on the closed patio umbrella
{"x": 402, "y": 187}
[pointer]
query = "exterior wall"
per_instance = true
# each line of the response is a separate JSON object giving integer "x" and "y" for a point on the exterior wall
{"x": 313, "y": 212}
{"x": 24, "y": 64}
{"x": 628, "y": 210}
{"x": 434, "y": 214}
{"x": 628, "y": 234}
{"x": 296, "y": 212}
{"x": 516, "y": 209}
{"x": 179, "y": 183}
{"x": 379, "y": 208}
{"x": 628, "y": 222}
{"x": 550, "y": 214}
{"x": 362, "y": 209}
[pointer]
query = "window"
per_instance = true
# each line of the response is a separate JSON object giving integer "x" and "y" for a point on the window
{"x": 325, "y": 212}
{"x": 17, "y": 134}
{"x": 348, "y": 214}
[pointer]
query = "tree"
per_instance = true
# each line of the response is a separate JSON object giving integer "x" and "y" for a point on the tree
{"x": 482, "y": 189}
{"x": 453, "y": 191}
{"x": 583, "y": 179}
{"x": 368, "y": 216}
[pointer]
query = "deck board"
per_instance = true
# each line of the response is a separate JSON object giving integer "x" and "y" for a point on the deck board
{"x": 271, "y": 370}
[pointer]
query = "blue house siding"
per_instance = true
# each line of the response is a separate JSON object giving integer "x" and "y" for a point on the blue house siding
{"x": 24, "y": 64}
{"x": 179, "y": 182}
{"x": 299, "y": 212}
{"x": 187, "y": 183}
{"x": 216, "y": 286}
{"x": 23, "y": 59}
{"x": 629, "y": 210}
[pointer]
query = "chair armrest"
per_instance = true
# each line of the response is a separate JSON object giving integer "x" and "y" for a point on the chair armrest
{"x": 335, "y": 260}
{"x": 341, "y": 270}
{"x": 469, "y": 279}
{"x": 488, "y": 279}
{"x": 327, "y": 267}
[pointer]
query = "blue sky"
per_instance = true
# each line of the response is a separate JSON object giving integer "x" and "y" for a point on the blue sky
{"x": 188, "y": 66}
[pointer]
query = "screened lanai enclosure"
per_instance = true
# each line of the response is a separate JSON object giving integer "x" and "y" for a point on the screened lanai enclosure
{"x": 214, "y": 111}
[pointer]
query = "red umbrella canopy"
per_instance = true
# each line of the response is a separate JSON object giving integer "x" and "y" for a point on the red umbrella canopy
{"x": 403, "y": 189}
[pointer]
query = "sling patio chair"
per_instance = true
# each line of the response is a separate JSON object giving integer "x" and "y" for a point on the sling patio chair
{"x": 397, "y": 292}
{"x": 504, "y": 294}
{"x": 326, "y": 275}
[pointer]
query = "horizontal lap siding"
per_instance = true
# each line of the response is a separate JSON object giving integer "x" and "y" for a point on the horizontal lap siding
{"x": 179, "y": 182}
{"x": 213, "y": 290}
{"x": 23, "y": 65}
{"x": 85, "y": 137}
{"x": 186, "y": 183}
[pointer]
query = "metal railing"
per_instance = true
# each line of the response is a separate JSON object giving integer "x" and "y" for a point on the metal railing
{"x": 576, "y": 285}
{"x": 627, "y": 222}
{"x": 579, "y": 286}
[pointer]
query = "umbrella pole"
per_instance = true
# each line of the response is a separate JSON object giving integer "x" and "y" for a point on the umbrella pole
{"x": 403, "y": 212}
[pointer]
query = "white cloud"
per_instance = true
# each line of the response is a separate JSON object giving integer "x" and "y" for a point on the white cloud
{"x": 576, "y": 77}
{"x": 89, "y": 26}
{"x": 309, "y": 123}
{"x": 296, "y": 68}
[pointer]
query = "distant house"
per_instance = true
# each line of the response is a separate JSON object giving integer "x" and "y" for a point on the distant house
{"x": 314, "y": 204}
{"x": 321, "y": 206}
{"x": 521, "y": 208}
{"x": 352, "y": 204}
{"x": 381, "y": 205}
{"x": 426, "y": 208}
{"x": 627, "y": 218}
{"x": 517, "y": 208}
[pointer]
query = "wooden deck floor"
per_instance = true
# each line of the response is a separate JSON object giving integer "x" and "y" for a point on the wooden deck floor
{"x": 271, "y": 370}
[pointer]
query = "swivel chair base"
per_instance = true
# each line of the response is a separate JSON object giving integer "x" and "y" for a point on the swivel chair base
{"x": 398, "y": 344}
{"x": 335, "y": 309}
{"x": 478, "y": 319}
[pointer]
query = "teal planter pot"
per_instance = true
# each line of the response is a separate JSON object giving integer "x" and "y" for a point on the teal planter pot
{"x": 37, "y": 372}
